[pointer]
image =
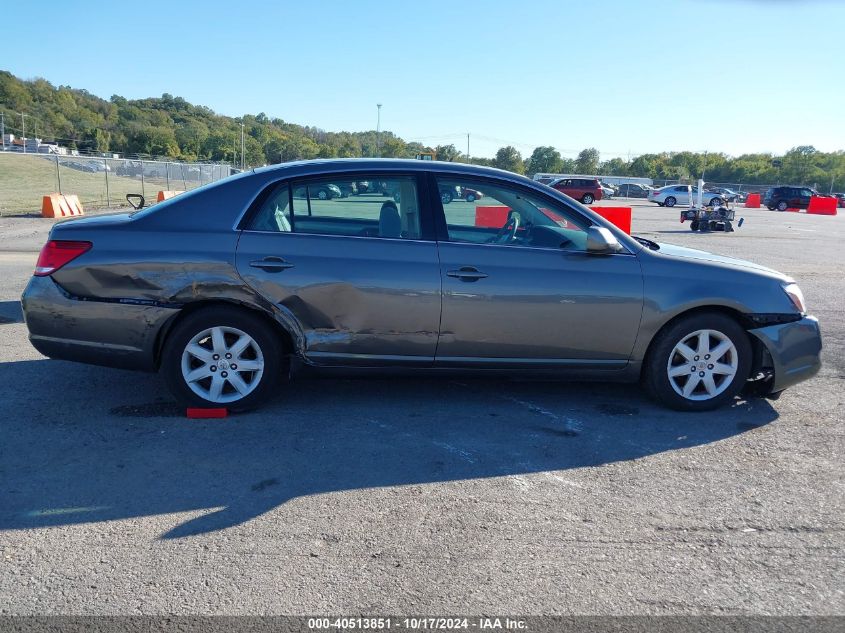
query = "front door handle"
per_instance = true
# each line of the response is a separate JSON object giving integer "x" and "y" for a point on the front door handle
{"x": 467, "y": 273}
{"x": 271, "y": 264}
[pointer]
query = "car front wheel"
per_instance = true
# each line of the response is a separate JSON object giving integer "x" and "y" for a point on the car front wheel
{"x": 698, "y": 363}
{"x": 670, "y": 201}
{"x": 716, "y": 202}
{"x": 782, "y": 206}
{"x": 222, "y": 357}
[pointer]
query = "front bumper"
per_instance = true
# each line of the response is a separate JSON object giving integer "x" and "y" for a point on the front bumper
{"x": 795, "y": 349}
{"x": 114, "y": 334}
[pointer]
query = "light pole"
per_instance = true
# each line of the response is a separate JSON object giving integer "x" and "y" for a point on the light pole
{"x": 378, "y": 132}
{"x": 468, "y": 160}
{"x": 23, "y": 130}
{"x": 242, "y": 147}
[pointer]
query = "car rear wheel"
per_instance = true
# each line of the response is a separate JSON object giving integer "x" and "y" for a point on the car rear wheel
{"x": 470, "y": 197}
{"x": 716, "y": 202}
{"x": 698, "y": 363}
{"x": 587, "y": 198}
{"x": 323, "y": 194}
{"x": 445, "y": 197}
{"x": 670, "y": 201}
{"x": 782, "y": 206}
{"x": 222, "y": 357}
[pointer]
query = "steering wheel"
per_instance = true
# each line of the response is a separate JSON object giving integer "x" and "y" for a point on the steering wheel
{"x": 508, "y": 232}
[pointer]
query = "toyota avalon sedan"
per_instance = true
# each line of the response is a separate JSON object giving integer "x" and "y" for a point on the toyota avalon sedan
{"x": 225, "y": 289}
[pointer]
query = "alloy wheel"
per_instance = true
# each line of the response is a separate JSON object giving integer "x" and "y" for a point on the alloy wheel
{"x": 222, "y": 364}
{"x": 702, "y": 365}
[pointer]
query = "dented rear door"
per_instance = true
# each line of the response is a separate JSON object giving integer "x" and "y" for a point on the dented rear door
{"x": 358, "y": 299}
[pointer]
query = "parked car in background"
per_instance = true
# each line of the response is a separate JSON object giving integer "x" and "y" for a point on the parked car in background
{"x": 324, "y": 191}
{"x": 729, "y": 195}
{"x": 790, "y": 197}
{"x": 273, "y": 282}
{"x": 670, "y": 195}
{"x": 607, "y": 191}
{"x": 632, "y": 190}
{"x": 447, "y": 194}
{"x": 587, "y": 190}
{"x": 841, "y": 198}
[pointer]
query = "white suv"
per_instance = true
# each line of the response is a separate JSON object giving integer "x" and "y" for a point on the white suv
{"x": 670, "y": 195}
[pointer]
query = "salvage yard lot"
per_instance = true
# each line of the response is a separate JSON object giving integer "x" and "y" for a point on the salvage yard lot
{"x": 422, "y": 495}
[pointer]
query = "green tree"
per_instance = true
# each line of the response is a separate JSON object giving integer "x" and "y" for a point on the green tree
{"x": 448, "y": 153}
{"x": 544, "y": 160}
{"x": 510, "y": 159}
{"x": 587, "y": 161}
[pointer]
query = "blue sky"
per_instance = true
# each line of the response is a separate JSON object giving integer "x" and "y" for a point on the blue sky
{"x": 734, "y": 76}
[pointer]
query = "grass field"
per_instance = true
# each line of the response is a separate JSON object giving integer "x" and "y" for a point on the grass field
{"x": 24, "y": 180}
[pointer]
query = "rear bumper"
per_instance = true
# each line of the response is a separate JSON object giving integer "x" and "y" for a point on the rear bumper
{"x": 113, "y": 334}
{"x": 795, "y": 349}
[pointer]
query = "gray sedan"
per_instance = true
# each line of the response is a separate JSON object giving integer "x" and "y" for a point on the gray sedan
{"x": 226, "y": 288}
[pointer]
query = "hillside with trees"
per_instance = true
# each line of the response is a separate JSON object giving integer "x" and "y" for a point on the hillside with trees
{"x": 170, "y": 127}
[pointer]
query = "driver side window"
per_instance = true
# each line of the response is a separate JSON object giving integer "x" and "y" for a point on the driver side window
{"x": 480, "y": 212}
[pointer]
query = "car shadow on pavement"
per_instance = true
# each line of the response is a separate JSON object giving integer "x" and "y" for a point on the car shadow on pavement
{"x": 86, "y": 444}
{"x": 10, "y": 312}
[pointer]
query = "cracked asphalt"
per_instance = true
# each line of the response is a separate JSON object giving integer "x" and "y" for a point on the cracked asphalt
{"x": 423, "y": 496}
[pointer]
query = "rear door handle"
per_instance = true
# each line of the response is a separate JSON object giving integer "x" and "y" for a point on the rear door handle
{"x": 467, "y": 273}
{"x": 271, "y": 264}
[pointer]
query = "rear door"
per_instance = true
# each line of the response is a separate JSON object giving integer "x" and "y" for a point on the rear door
{"x": 358, "y": 273}
{"x": 536, "y": 300}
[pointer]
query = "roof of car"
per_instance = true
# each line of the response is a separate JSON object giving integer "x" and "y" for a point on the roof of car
{"x": 376, "y": 164}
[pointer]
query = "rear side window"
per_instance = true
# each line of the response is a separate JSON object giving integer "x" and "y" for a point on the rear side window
{"x": 274, "y": 215}
{"x": 369, "y": 206}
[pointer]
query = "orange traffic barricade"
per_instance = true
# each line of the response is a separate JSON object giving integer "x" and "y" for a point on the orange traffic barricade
{"x": 56, "y": 205}
{"x": 620, "y": 216}
{"x": 822, "y": 205}
{"x": 752, "y": 201}
{"x": 167, "y": 195}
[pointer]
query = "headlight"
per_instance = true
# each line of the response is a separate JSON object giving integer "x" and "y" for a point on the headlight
{"x": 796, "y": 296}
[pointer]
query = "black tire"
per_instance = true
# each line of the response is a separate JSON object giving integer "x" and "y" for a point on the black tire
{"x": 771, "y": 208}
{"x": 661, "y": 204}
{"x": 445, "y": 197}
{"x": 470, "y": 197}
{"x": 655, "y": 372}
{"x": 693, "y": 226}
{"x": 782, "y": 206}
{"x": 670, "y": 201}
{"x": 587, "y": 198}
{"x": 716, "y": 202}
{"x": 323, "y": 194}
{"x": 223, "y": 316}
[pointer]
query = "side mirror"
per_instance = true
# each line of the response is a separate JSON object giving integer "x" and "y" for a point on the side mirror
{"x": 601, "y": 241}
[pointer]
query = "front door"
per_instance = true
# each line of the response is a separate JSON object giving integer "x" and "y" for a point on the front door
{"x": 350, "y": 265}
{"x": 520, "y": 289}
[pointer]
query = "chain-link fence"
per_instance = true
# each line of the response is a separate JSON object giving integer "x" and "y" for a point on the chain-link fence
{"x": 98, "y": 182}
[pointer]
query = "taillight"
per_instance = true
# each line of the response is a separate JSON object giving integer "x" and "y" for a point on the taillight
{"x": 57, "y": 253}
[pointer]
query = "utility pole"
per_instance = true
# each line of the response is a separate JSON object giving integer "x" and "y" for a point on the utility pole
{"x": 378, "y": 132}
{"x": 23, "y": 130}
{"x": 234, "y": 152}
{"x": 468, "y": 160}
{"x": 243, "y": 144}
{"x": 3, "y": 129}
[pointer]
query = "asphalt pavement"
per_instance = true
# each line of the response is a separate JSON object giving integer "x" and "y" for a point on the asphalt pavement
{"x": 415, "y": 496}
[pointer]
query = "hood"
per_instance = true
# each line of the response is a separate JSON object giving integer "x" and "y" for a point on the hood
{"x": 672, "y": 250}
